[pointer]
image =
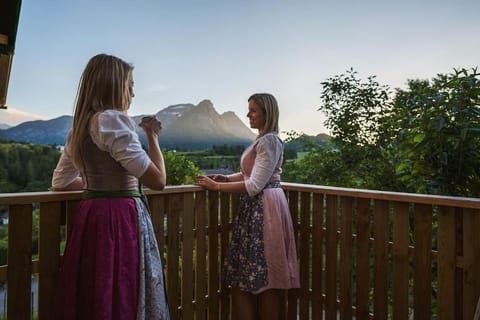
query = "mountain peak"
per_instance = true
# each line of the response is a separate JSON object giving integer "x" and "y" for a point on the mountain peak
{"x": 206, "y": 106}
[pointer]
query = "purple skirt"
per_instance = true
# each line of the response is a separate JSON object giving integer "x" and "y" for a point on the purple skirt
{"x": 103, "y": 268}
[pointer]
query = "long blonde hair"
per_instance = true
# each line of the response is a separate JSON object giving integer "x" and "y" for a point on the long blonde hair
{"x": 269, "y": 105}
{"x": 106, "y": 83}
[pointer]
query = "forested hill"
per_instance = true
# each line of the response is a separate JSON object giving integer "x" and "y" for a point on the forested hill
{"x": 25, "y": 166}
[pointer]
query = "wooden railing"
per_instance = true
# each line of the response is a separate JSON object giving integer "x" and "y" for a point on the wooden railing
{"x": 363, "y": 254}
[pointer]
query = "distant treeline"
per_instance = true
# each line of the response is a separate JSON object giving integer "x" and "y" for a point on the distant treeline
{"x": 228, "y": 156}
{"x": 26, "y": 167}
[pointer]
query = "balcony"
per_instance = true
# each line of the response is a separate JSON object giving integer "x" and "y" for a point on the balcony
{"x": 363, "y": 254}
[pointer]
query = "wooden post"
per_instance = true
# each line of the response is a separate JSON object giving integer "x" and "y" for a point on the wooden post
{"x": 471, "y": 248}
{"x": 5, "y": 66}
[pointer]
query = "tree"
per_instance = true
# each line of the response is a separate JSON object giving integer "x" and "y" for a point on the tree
{"x": 354, "y": 108}
{"x": 27, "y": 167}
{"x": 179, "y": 169}
{"x": 437, "y": 134}
{"x": 354, "y": 111}
{"x": 424, "y": 140}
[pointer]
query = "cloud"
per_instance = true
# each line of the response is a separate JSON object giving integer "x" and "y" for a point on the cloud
{"x": 13, "y": 116}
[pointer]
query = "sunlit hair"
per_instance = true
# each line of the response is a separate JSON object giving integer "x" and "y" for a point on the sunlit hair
{"x": 106, "y": 83}
{"x": 269, "y": 105}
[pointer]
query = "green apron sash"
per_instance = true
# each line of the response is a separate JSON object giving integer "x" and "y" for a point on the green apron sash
{"x": 94, "y": 194}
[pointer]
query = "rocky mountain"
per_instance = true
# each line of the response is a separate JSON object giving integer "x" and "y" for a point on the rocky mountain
{"x": 203, "y": 126}
{"x": 185, "y": 126}
{"x": 170, "y": 114}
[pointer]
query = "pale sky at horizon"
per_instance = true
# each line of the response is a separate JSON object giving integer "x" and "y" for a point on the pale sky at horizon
{"x": 185, "y": 52}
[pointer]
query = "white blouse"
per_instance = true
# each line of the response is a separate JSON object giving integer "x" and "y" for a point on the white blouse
{"x": 114, "y": 132}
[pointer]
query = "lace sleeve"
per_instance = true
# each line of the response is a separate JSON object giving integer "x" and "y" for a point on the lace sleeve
{"x": 269, "y": 150}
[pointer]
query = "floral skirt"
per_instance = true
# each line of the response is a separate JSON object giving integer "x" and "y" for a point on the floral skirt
{"x": 262, "y": 253}
{"x": 245, "y": 266}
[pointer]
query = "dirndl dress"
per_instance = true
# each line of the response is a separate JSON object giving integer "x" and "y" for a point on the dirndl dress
{"x": 262, "y": 252}
{"x": 112, "y": 268}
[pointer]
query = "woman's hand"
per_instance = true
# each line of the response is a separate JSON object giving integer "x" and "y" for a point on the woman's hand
{"x": 218, "y": 177}
{"x": 206, "y": 182}
{"x": 151, "y": 125}
{"x": 155, "y": 177}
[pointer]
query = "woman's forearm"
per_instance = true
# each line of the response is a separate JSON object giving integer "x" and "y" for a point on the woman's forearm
{"x": 76, "y": 184}
{"x": 156, "y": 156}
{"x": 237, "y": 186}
{"x": 235, "y": 177}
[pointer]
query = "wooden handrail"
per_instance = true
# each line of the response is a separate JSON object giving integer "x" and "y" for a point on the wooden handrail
{"x": 387, "y": 195}
{"x": 474, "y": 203}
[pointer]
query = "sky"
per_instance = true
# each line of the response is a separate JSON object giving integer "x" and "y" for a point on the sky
{"x": 226, "y": 50}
